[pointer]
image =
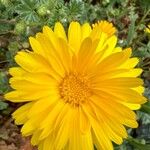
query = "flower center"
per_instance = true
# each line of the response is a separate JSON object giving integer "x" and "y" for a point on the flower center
{"x": 74, "y": 89}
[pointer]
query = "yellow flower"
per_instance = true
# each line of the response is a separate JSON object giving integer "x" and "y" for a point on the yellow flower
{"x": 147, "y": 30}
{"x": 81, "y": 88}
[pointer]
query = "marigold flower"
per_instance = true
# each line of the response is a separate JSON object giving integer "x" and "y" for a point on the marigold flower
{"x": 80, "y": 89}
{"x": 147, "y": 30}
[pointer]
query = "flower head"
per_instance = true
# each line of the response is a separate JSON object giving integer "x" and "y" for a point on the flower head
{"x": 147, "y": 30}
{"x": 80, "y": 89}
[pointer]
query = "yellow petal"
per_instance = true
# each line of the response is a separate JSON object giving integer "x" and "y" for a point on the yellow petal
{"x": 32, "y": 62}
{"x": 25, "y": 96}
{"x": 129, "y": 82}
{"x": 36, "y": 46}
{"x": 120, "y": 117}
{"x": 48, "y": 124}
{"x": 86, "y": 30}
{"x": 130, "y": 123}
{"x": 16, "y": 71}
{"x": 116, "y": 126}
{"x": 130, "y": 73}
{"x": 87, "y": 141}
{"x": 130, "y": 63}
{"x": 125, "y": 95}
{"x": 48, "y": 143}
{"x": 132, "y": 106}
{"x": 65, "y": 53}
{"x": 84, "y": 122}
{"x": 117, "y": 49}
{"x": 74, "y": 36}
{"x": 75, "y": 135}
{"x": 20, "y": 115}
{"x": 113, "y": 108}
{"x": 51, "y": 36}
{"x": 45, "y": 103}
{"x": 29, "y": 85}
{"x": 33, "y": 124}
{"x": 59, "y": 31}
{"x": 108, "y": 63}
{"x": 102, "y": 39}
{"x": 41, "y": 145}
{"x": 63, "y": 131}
{"x": 35, "y": 137}
{"x": 52, "y": 53}
{"x": 111, "y": 134}
{"x": 110, "y": 44}
{"x": 101, "y": 137}
{"x": 85, "y": 55}
{"x": 66, "y": 110}
{"x": 139, "y": 89}
{"x": 34, "y": 78}
{"x": 28, "y": 128}
{"x": 110, "y": 74}
{"x": 128, "y": 95}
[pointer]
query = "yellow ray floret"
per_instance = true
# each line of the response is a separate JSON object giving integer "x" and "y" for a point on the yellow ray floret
{"x": 147, "y": 30}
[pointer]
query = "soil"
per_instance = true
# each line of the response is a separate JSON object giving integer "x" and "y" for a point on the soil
{"x": 10, "y": 137}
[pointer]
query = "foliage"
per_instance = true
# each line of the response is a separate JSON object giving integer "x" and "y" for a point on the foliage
{"x": 20, "y": 19}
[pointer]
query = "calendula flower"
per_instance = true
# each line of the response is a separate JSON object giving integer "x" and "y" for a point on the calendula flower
{"x": 80, "y": 89}
{"x": 147, "y": 30}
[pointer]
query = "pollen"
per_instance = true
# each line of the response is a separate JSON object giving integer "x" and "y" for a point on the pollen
{"x": 75, "y": 89}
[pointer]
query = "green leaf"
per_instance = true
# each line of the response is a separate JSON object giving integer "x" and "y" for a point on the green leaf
{"x": 145, "y": 108}
{"x": 145, "y": 4}
{"x": 143, "y": 117}
{"x": 131, "y": 30}
{"x": 26, "y": 11}
{"x": 3, "y": 83}
{"x": 136, "y": 144}
{"x": 3, "y": 105}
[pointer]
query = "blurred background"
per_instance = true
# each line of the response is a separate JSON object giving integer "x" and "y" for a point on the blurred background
{"x": 20, "y": 19}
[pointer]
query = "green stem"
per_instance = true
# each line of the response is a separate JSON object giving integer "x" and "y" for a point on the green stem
{"x": 13, "y": 21}
{"x": 145, "y": 15}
